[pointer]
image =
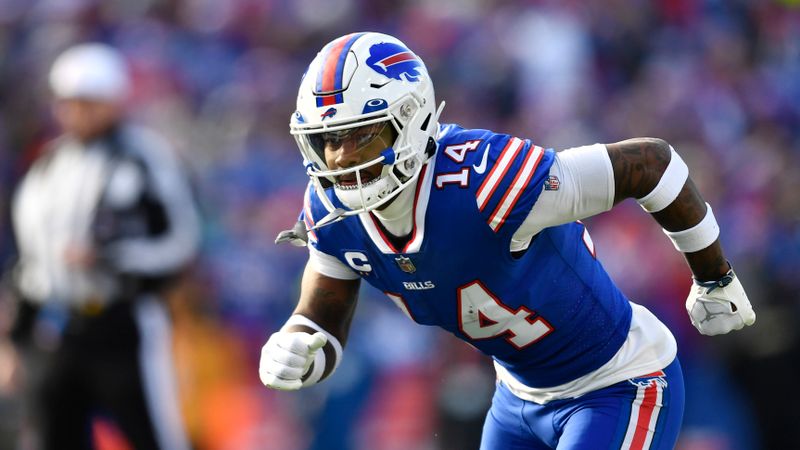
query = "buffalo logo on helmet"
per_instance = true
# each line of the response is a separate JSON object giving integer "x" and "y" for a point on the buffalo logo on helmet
{"x": 330, "y": 112}
{"x": 394, "y": 61}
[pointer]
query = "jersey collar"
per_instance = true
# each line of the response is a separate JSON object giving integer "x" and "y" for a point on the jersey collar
{"x": 421, "y": 197}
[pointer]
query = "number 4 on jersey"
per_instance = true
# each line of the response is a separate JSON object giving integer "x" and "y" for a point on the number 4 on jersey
{"x": 483, "y": 316}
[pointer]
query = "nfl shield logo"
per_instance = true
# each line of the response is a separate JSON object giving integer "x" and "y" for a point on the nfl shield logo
{"x": 405, "y": 264}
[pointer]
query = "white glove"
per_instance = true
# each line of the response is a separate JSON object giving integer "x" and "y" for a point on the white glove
{"x": 286, "y": 357}
{"x": 717, "y": 307}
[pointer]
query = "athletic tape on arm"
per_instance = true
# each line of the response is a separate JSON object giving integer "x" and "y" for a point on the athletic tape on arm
{"x": 319, "y": 358}
{"x": 699, "y": 236}
{"x": 668, "y": 187}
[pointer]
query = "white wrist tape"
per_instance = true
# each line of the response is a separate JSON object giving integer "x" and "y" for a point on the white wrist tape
{"x": 668, "y": 187}
{"x": 699, "y": 236}
{"x": 319, "y": 358}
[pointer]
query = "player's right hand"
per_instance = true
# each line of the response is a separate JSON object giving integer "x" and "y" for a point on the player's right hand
{"x": 718, "y": 307}
{"x": 287, "y": 356}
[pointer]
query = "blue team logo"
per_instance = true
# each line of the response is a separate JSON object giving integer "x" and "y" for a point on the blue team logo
{"x": 329, "y": 113}
{"x": 394, "y": 61}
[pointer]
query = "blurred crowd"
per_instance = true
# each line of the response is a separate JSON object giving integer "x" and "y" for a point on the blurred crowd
{"x": 719, "y": 80}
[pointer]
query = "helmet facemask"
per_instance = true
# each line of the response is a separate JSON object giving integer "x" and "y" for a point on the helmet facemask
{"x": 365, "y": 149}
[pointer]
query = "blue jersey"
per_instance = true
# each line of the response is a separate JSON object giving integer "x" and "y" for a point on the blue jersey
{"x": 549, "y": 315}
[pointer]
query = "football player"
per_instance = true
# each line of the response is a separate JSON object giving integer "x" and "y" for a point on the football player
{"x": 478, "y": 232}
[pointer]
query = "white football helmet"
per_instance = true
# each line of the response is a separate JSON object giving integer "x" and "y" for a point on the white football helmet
{"x": 356, "y": 82}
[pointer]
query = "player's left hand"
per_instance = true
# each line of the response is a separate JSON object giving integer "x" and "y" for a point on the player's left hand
{"x": 717, "y": 307}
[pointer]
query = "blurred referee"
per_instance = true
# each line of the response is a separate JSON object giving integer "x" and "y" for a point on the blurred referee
{"x": 103, "y": 220}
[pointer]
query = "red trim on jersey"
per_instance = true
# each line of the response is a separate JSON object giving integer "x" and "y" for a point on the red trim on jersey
{"x": 307, "y": 217}
{"x": 379, "y": 227}
{"x": 494, "y": 168}
{"x": 461, "y": 177}
{"x": 660, "y": 373}
{"x": 463, "y": 148}
{"x": 414, "y": 208}
{"x": 506, "y": 334}
{"x": 405, "y": 303}
{"x": 484, "y": 321}
{"x": 518, "y": 193}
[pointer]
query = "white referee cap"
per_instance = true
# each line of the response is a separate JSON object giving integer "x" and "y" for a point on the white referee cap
{"x": 92, "y": 71}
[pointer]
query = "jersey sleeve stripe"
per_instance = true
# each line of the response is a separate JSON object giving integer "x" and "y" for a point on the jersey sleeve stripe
{"x": 512, "y": 195}
{"x": 498, "y": 171}
{"x": 307, "y": 217}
